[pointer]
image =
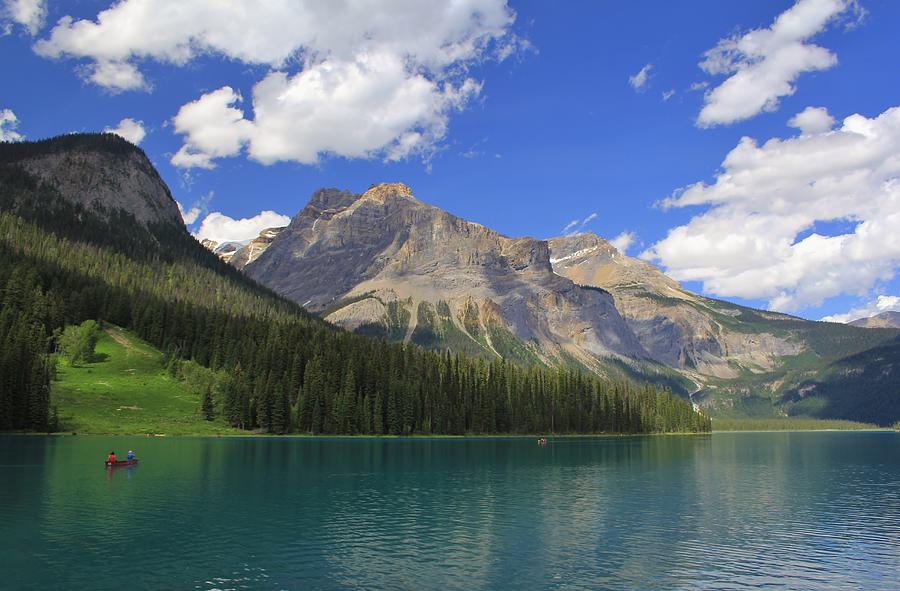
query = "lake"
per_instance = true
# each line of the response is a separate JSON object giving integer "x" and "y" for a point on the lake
{"x": 721, "y": 511}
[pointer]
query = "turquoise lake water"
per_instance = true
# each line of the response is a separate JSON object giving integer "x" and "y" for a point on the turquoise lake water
{"x": 722, "y": 511}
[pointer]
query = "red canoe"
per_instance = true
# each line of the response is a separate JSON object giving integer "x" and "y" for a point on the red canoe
{"x": 121, "y": 463}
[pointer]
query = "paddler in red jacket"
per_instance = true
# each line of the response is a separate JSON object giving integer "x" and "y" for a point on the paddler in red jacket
{"x": 112, "y": 458}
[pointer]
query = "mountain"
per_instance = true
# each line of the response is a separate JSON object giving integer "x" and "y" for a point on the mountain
{"x": 224, "y": 250}
{"x": 863, "y": 387}
{"x": 102, "y": 176}
{"x": 884, "y": 320}
{"x": 744, "y": 361}
{"x": 384, "y": 263}
{"x": 111, "y": 249}
{"x": 239, "y": 254}
{"x": 681, "y": 329}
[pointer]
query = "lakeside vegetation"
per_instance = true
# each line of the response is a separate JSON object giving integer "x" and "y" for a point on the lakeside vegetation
{"x": 124, "y": 389}
{"x": 270, "y": 366}
{"x": 789, "y": 424}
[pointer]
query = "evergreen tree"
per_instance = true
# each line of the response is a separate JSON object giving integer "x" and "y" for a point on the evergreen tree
{"x": 207, "y": 406}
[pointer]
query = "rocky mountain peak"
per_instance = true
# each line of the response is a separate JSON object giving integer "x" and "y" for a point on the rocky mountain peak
{"x": 328, "y": 199}
{"x": 581, "y": 245}
{"x": 385, "y": 259}
{"x": 241, "y": 254}
{"x": 382, "y": 191}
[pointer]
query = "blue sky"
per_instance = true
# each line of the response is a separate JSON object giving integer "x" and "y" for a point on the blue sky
{"x": 522, "y": 116}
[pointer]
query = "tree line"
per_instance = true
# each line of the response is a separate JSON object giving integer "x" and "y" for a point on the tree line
{"x": 278, "y": 368}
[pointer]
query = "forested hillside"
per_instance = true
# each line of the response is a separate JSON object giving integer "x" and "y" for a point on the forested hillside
{"x": 281, "y": 370}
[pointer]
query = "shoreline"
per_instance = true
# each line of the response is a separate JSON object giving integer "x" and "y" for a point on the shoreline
{"x": 459, "y": 437}
{"x": 251, "y": 435}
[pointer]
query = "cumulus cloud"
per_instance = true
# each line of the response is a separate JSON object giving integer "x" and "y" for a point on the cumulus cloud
{"x": 31, "y": 14}
{"x": 624, "y": 241}
{"x": 8, "y": 124}
{"x": 764, "y": 63}
{"x": 639, "y": 80}
{"x": 131, "y": 130}
{"x": 215, "y": 128}
{"x": 115, "y": 76}
{"x": 760, "y": 235}
{"x": 577, "y": 225}
{"x": 884, "y": 303}
{"x": 373, "y": 107}
{"x": 668, "y": 94}
{"x": 812, "y": 120}
{"x": 221, "y": 228}
{"x": 376, "y": 78}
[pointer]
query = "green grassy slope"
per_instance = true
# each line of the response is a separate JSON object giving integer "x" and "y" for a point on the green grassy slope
{"x": 126, "y": 390}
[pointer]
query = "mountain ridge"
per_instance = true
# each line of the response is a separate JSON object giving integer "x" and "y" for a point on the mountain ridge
{"x": 384, "y": 258}
{"x": 387, "y": 264}
{"x": 264, "y": 363}
{"x": 889, "y": 319}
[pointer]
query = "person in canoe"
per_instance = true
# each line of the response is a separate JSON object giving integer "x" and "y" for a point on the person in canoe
{"x": 112, "y": 458}
{"x": 130, "y": 455}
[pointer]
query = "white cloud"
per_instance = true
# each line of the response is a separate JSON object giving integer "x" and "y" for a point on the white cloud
{"x": 362, "y": 79}
{"x": 8, "y": 124}
{"x": 758, "y": 239}
{"x": 190, "y": 216}
{"x": 198, "y": 208}
{"x": 374, "y": 107}
{"x": 884, "y": 303}
{"x": 812, "y": 120}
{"x": 639, "y": 80}
{"x": 570, "y": 226}
{"x": 131, "y": 130}
{"x": 115, "y": 76}
{"x": 430, "y": 34}
{"x": 31, "y": 14}
{"x": 764, "y": 63}
{"x": 624, "y": 241}
{"x": 668, "y": 94}
{"x": 221, "y": 228}
{"x": 577, "y": 225}
{"x": 214, "y": 129}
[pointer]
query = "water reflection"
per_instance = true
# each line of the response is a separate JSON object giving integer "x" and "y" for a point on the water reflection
{"x": 730, "y": 511}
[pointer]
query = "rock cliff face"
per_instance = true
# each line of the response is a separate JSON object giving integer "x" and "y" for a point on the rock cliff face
{"x": 253, "y": 249}
{"x": 240, "y": 254}
{"x": 385, "y": 263}
{"x": 677, "y": 327}
{"x": 100, "y": 172}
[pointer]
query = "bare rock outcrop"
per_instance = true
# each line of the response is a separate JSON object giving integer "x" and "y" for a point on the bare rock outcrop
{"x": 677, "y": 327}
{"x": 387, "y": 263}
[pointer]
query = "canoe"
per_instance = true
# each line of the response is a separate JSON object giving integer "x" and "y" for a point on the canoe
{"x": 121, "y": 463}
